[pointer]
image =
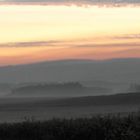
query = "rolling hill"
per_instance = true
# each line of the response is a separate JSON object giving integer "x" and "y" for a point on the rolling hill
{"x": 117, "y": 70}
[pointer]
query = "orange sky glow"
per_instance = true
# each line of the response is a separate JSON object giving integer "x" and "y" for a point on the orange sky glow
{"x": 32, "y": 33}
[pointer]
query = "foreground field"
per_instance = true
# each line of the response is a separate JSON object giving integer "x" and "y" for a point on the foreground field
{"x": 94, "y": 128}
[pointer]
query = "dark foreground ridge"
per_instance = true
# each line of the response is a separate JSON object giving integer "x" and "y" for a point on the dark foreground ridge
{"x": 95, "y": 128}
{"x": 132, "y": 98}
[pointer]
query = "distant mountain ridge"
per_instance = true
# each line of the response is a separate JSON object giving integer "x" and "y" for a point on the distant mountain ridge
{"x": 117, "y": 70}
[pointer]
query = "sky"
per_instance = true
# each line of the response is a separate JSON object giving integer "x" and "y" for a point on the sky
{"x": 33, "y": 32}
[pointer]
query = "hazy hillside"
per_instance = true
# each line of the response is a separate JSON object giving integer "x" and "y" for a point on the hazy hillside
{"x": 119, "y": 70}
{"x": 70, "y": 89}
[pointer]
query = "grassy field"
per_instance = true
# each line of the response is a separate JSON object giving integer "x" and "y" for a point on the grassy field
{"x": 95, "y": 128}
{"x": 32, "y": 118}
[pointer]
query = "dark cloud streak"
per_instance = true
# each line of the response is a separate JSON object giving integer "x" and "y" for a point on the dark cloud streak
{"x": 111, "y": 45}
{"x": 68, "y": 44}
{"x": 31, "y": 44}
{"x": 130, "y": 36}
{"x": 76, "y": 2}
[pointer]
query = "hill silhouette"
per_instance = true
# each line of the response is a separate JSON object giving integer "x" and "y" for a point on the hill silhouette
{"x": 118, "y": 70}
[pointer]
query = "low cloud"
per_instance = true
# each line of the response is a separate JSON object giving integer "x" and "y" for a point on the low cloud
{"x": 130, "y": 36}
{"x": 31, "y": 44}
{"x": 114, "y": 41}
{"x": 107, "y": 45}
{"x": 69, "y": 44}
